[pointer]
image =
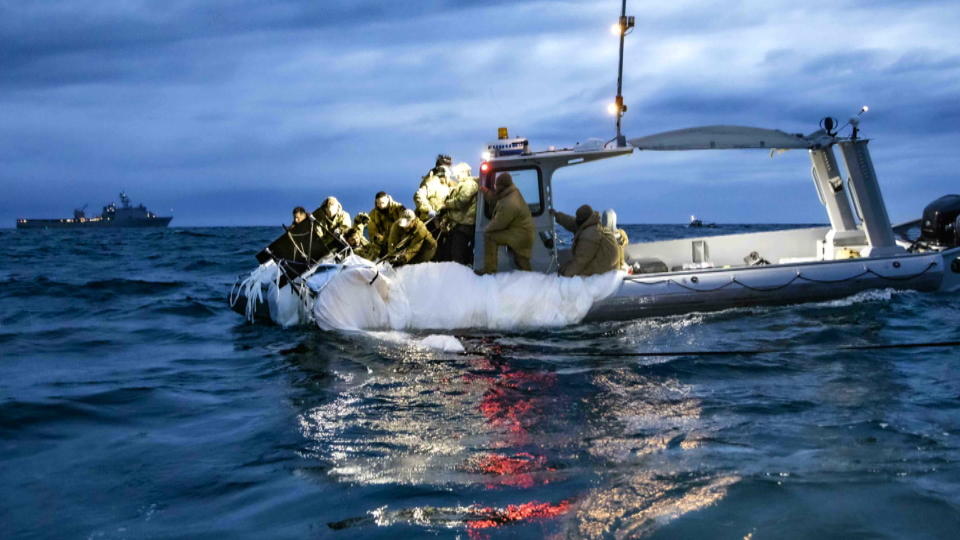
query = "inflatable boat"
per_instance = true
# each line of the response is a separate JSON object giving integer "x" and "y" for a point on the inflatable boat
{"x": 860, "y": 249}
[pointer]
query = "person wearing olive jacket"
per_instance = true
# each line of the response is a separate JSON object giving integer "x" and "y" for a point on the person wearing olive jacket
{"x": 460, "y": 215}
{"x": 360, "y": 245}
{"x": 511, "y": 226}
{"x": 384, "y": 214}
{"x": 608, "y": 220}
{"x": 331, "y": 218}
{"x": 434, "y": 188}
{"x": 330, "y": 221}
{"x": 595, "y": 250}
{"x": 410, "y": 242}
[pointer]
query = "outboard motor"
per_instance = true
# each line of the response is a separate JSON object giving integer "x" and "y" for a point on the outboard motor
{"x": 940, "y": 226}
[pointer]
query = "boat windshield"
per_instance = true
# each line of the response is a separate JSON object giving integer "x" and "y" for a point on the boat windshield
{"x": 529, "y": 183}
{"x": 529, "y": 180}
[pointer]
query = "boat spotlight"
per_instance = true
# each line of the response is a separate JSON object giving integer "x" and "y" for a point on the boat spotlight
{"x": 617, "y": 108}
{"x": 625, "y": 23}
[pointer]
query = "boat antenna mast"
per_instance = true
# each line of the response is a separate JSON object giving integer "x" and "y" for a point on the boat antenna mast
{"x": 623, "y": 27}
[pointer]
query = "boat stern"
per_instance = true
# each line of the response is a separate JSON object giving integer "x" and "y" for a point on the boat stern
{"x": 951, "y": 274}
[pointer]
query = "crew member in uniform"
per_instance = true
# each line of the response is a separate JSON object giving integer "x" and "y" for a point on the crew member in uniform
{"x": 595, "y": 249}
{"x": 410, "y": 242}
{"x": 384, "y": 214}
{"x": 511, "y": 226}
{"x": 429, "y": 197}
{"x": 608, "y": 219}
{"x": 360, "y": 245}
{"x": 299, "y": 214}
{"x": 331, "y": 221}
{"x": 460, "y": 215}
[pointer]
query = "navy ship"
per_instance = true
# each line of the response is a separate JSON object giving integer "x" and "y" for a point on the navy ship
{"x": 125, "y": 215}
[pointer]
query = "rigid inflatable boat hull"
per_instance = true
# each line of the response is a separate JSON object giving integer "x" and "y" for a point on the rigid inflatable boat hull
{"x": 717, "y": 289}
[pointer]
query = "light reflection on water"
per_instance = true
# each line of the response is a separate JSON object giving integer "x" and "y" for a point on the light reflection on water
{"x": 492, "y": 423}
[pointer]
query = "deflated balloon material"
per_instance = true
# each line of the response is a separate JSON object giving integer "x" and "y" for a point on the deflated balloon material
{"x": 447, "y": 296}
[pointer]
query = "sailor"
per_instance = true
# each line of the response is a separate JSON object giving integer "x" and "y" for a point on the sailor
{"x": 460, "y": 215}
{"x": 608, "y": 219}
{"x": 384, "y": 214}
{"x": 511, "y": 226}
{"x": 360, "y": 222}
{"x": 433, "y": 191}
{"x": 360, "y": 245}
{"x": 299, "y": 214}
{"x": 331, "y": 218}
{"x": 595, "y": 249}
{"x": 446, "y": 163}
{"x": 410, "y": 242}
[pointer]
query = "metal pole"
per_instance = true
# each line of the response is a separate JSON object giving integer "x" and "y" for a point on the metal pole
{"x": 623, "y": 30}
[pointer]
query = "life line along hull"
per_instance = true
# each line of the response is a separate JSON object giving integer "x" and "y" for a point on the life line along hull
{"x": 716, "y": 289}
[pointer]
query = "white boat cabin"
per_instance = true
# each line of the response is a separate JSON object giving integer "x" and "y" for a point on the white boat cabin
{"x": 859, "y": 224}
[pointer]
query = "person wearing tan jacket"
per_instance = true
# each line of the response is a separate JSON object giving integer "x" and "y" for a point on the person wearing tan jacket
{"x": 595, "y": 249}
{"x": 410, "y": 242}
{"x": 511, "y": 226}
{"x": 460, "y": 215}
{"x": 384, "y": 214}
{"x": 360, "y": 245}
{"x": 434, "y": 189}
{"x": 608, "y": 220}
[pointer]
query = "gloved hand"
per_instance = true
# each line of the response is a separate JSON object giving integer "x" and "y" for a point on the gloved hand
{"x": 362, "y": 218}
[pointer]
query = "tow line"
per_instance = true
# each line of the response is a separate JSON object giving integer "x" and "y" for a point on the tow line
{"x": 754, "y": 352}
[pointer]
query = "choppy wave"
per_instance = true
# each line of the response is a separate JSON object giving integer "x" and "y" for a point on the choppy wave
{"x": 95, "y": 289}
{"x": 134, "y": 403}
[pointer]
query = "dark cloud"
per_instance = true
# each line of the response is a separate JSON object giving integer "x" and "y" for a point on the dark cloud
{"x": 251, "y": 107}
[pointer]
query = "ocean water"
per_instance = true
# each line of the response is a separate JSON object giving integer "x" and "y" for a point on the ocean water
{"x": 135, "y": 404}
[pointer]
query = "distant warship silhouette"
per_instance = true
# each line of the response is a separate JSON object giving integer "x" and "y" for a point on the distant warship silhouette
{"x": 125, "y": 215}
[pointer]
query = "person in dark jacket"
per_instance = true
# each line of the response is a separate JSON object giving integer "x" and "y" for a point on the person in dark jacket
{"x": 595, "y": 249}
{"x": 299, "y": 214}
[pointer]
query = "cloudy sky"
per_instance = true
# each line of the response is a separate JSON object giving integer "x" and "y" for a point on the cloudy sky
{"x": 234, "y": 111}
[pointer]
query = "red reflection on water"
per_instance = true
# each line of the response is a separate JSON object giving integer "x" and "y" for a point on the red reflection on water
{"x": 514, "y": 400}
{"x": 515, "y": 470}
{"x": 497, "y": 517}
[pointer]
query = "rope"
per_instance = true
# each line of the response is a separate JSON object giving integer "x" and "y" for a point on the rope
{"x": 799, "y": 276}
{"x": 755, "y": 352}
{"x": 296, "y": 245}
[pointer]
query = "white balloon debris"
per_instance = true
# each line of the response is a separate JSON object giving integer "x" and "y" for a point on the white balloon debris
{"x": 447, "y": 296}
